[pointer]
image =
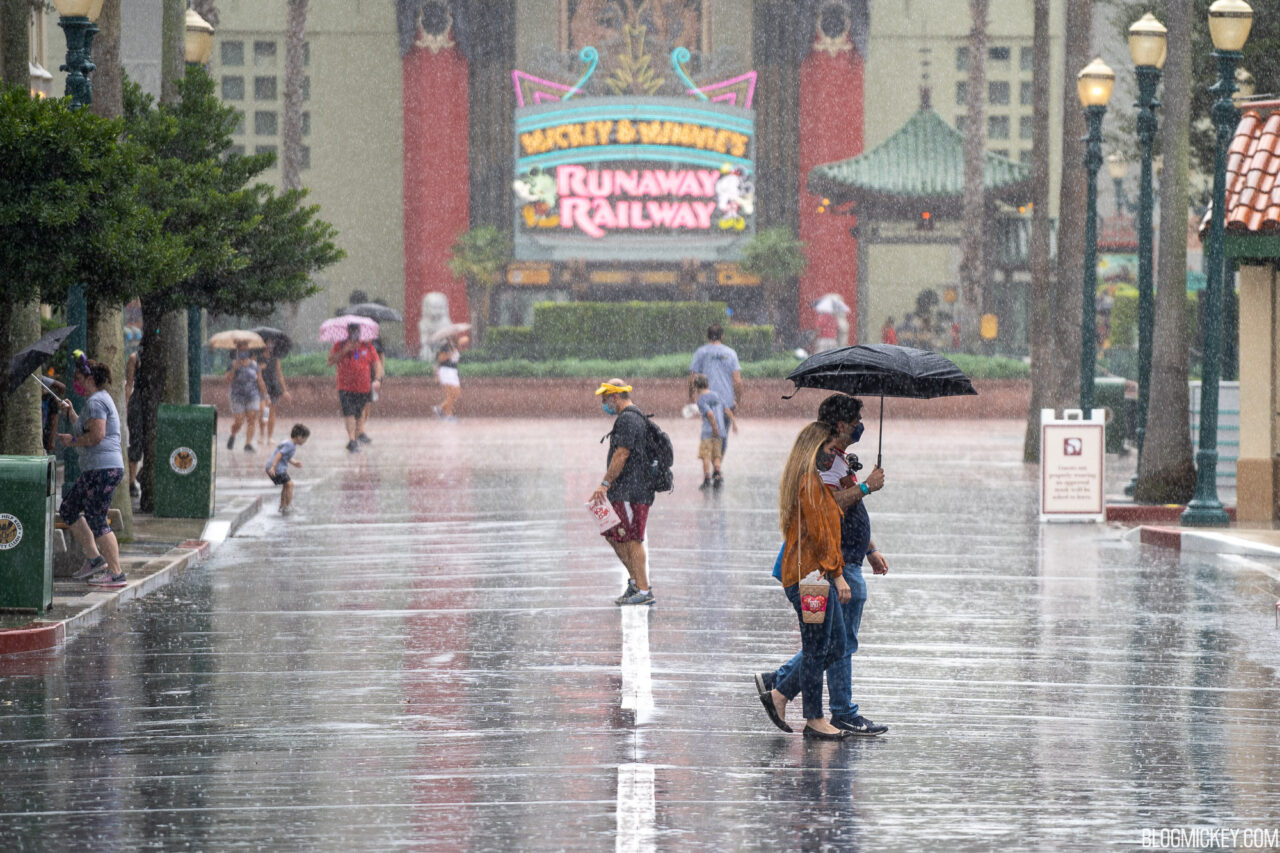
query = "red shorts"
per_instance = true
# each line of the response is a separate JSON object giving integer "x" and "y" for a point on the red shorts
{"x": 634, "y": 517}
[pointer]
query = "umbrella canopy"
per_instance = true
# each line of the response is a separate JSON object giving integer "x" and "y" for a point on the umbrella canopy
{"x": 830, "y": 304}
{"x": 374, "y": 311}
{"x": 886, "y": 370}
{"x": 334, "y": 329}
{"x": 36, "y": 356}
{"x": 227, "y": 339}
{"x": 282, "y": 343}
{"x": 445, "y": 332}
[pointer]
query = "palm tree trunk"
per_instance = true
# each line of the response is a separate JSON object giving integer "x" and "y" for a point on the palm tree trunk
{"x": 1167, "y": 473}
{"x": 19, "y": 322}
{"x": 1071, "y": 204}
{"x": 105, "y": 335}
{"x": 972, "y": 272}
{"x": 291, "y": 136}
{"x": 1041, "y": 296}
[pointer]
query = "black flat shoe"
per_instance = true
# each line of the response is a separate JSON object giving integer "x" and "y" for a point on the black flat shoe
{"x": 766, "y": 699}
{"x": 814, "y": 734}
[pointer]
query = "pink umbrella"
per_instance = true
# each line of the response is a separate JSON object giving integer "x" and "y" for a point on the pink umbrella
{"x": 335, "y": 329}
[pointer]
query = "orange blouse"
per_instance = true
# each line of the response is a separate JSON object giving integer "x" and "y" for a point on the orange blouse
{"x": 819, "y": 520}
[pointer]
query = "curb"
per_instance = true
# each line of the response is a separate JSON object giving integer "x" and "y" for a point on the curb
{"x": 1204, "y": 542}
{"x": 1163, "y": 514}
{"x": 42, "y": 634}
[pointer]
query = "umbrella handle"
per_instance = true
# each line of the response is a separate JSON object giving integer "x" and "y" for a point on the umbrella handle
{"x": 880, "y": 433}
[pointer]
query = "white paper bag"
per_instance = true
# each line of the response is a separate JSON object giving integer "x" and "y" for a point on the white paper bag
{"x": 604, "y": 515}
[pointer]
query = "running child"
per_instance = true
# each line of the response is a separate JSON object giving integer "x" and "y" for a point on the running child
{"x": 278, "y": 467}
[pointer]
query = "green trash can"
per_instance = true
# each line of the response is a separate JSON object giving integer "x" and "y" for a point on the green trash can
{"x": 186, "y": 457}
{"x": 26, "y": 532}
{"x": 1108, "y": 394}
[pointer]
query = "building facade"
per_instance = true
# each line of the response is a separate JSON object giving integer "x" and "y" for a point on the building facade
{"x": 425, "y": 118}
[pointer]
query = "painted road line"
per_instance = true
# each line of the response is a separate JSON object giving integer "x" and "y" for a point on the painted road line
{"x": 636, "y": 807}
{"x": 637, "y": 687}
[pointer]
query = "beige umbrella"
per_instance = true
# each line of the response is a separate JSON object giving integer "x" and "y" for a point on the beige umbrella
{"x": 230, "y": 339}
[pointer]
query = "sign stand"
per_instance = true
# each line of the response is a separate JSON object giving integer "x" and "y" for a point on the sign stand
{"x": 1072, "y": 466}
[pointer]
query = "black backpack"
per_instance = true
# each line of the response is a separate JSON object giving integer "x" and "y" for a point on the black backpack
{"x": 659, "y": 452}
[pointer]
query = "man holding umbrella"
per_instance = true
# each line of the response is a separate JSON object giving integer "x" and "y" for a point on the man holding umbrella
{"x": 356, "y": 382}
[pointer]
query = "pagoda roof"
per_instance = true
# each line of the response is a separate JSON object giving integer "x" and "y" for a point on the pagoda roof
{"x": 921, "y": 163}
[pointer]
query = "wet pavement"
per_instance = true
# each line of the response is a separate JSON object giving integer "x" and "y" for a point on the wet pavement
{"x": 426, "y": 656}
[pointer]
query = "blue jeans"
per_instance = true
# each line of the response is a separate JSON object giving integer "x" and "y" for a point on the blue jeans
{"x": 822, "y": 645}
{"x": 840, "y": 672}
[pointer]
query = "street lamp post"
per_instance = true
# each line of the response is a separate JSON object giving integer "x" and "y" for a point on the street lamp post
{"x": 1147, "y": 46}
{"x": 1093, "y": 85}
{"x": 198, "y": 46}
{"x": 1229, "y": 24}
{"x": 76, "y": 17}
{"x": 1118, "y": 168}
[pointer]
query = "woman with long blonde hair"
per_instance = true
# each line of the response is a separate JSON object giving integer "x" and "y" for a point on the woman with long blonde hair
{"x": 810, "y": 522}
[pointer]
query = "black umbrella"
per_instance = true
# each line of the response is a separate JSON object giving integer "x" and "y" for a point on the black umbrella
{"x": 886, "y": 370}
{"x": 282, "y": 342}
{"x": 374, "y": 311}
{"x": 36, "y": 356}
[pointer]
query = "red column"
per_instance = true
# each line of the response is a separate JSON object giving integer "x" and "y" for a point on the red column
{"x": 830, "y": 129}
{"x": 436, "y": 189}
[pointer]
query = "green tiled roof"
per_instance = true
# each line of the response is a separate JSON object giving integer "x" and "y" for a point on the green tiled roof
{"x": 923, "y": 160}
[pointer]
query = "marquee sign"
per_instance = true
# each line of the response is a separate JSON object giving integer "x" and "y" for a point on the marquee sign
{"x": 641, "y": 178}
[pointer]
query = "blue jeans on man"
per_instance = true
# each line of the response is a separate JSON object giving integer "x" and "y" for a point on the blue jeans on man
{"x": 840, "y": 670}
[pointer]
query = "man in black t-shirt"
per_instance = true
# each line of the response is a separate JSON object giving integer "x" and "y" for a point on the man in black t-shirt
{"x": 627, "y": 488}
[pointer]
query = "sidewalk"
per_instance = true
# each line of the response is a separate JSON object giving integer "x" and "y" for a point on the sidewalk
{"x": 162, "y": 547}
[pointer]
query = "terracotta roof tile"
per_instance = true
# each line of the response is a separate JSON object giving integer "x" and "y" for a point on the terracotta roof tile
{"x": 1253, "y": 174}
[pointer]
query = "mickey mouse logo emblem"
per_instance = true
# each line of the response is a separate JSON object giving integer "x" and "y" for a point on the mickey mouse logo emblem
{"x": 10, "y": 531}
{"x": 183, "y": 461}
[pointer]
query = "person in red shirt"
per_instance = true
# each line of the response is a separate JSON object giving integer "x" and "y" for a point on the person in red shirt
{"x": 888, "y": 334}
{"x": 356, "y": 382}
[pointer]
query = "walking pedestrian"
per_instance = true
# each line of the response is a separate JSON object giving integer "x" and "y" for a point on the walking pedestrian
{"x": 96, "y": 437}
{"x": 134, "y": 421}
{"x": 373, "y": 372}
{"x": 276, "y": 389}
{"x": 716, "y": 420}
{"x": 839, "y": 473}
{"x": 810, "y": 522}
{"x": 278, "y": 467}
{"x": 888, "y": 334}
{"x": 627, "y": 488}
{"x": 719, "y": 363}
{"x": 246, "y": 391}
{"x": 447, "y": 357}
{"x": 356, "y": 382}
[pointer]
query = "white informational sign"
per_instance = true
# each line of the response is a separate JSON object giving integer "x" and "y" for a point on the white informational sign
{"x": 1072, "y": 460}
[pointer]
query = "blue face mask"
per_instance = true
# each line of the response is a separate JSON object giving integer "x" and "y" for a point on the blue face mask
{"x": 857, "y": 433}
{"x": 608, "y": 409}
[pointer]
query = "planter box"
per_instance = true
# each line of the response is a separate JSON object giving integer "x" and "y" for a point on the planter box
{"x": 316, "y": 396}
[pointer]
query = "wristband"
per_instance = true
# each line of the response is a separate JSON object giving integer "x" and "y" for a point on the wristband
{"x": 872, "y": 551}
{"x": 865, "y": 490}
{"x": 605, "y": 483}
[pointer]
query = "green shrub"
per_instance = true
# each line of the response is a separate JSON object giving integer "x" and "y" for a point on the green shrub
{"x": 990, "y": 366}
{"x": 621, "y": 330}
{"x": 506, "y": 342}
{"x": 667, "y": 366}
{"x": 1124, "y": 318}
{"x": 306, "y": 364}
{"x": 751, "y": 343}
